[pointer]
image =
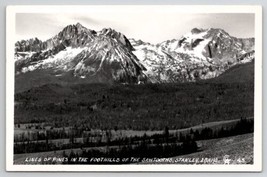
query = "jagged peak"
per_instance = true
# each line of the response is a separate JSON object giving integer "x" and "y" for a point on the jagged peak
{"x": 138, "y": 41}
{"x": 108, "y": 31}
{"x": 217, "y": 31}
{"x": 197, "y": 30}
{"x": 30, "y": 40}
{"x": 112, "y": 33}
{"x": 79, "y": 25}
{"x": 208, "y": 30}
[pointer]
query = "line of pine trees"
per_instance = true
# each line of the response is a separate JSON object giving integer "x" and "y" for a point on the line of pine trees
{"x": 157, "y": 140}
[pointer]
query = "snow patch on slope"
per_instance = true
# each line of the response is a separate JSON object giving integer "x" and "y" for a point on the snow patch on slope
{"x": 23, "y": 55}
{"x": 196, "y": 51}
{"x": 57, "y": 61}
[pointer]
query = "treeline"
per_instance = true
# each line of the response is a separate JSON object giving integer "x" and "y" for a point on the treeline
{"x": 162, "y": 145}
{"x": 51, "y": 134}
{"x": 241, "y": 127}
{"x": 139, "y": 151}
{"x": 95, "y": 140}
{"x": 165, "y": 138}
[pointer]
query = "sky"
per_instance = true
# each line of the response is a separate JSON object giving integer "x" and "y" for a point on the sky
{"x": 149, "y": 27}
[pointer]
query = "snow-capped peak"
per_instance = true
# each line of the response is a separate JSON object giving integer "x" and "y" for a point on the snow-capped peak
{"x": 108, "y": 55}
{"x": 199, "y": 54}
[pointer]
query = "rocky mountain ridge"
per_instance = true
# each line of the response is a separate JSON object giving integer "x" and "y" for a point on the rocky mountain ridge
{"x": 109, "y": 56}
{"x": 199, "y": 54}
{"x": 105, "y": 55}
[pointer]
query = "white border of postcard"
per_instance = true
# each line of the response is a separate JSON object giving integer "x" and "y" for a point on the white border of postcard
{"x": 10, "y": 41}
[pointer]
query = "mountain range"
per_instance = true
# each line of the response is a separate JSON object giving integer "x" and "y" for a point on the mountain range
{"x": 108, "y": 56}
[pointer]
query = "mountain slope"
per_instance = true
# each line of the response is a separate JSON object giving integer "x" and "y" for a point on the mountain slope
{"x": 199, "y": 54}
{"x": 237, "y": 74}
{"x": 104, "y": 56}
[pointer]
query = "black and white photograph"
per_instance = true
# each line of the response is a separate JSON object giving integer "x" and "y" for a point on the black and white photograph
{"x": 134, "y": 88}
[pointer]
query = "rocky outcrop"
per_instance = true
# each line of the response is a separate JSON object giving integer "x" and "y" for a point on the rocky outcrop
{"x": 105, "y": 56}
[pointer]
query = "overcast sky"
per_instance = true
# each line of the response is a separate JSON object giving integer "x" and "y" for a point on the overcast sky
{"x": 149, "y": 27}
